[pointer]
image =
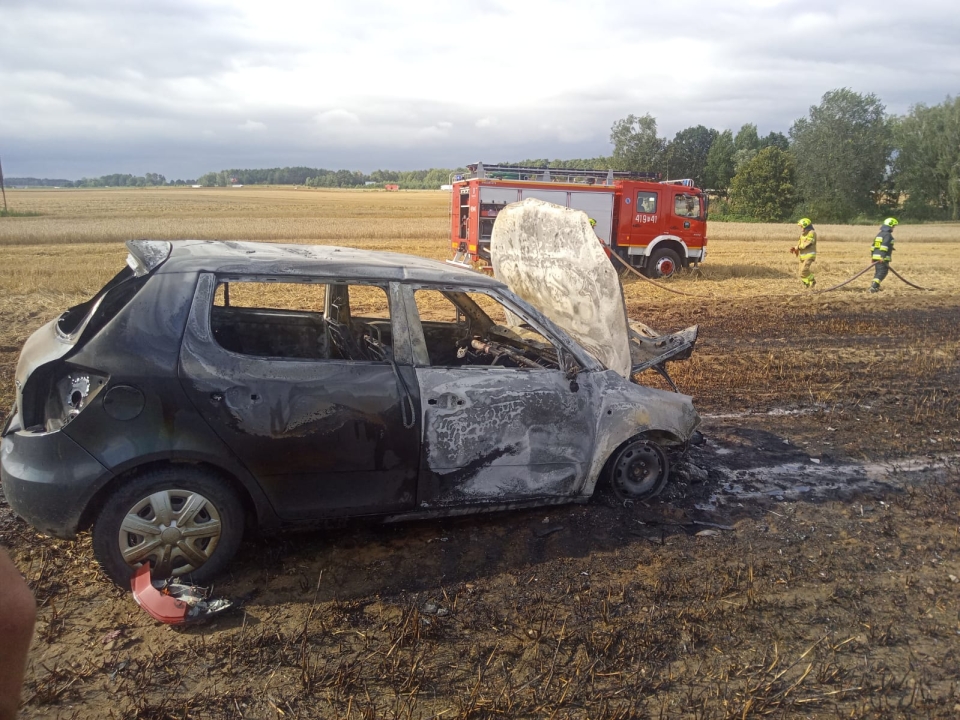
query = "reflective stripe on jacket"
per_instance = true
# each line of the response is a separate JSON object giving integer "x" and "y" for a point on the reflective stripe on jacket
{"x": 883, "y": 245}
{"x": 807, "y": 245}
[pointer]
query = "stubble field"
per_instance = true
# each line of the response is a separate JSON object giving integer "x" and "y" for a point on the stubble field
{"x": 804, "y": 564}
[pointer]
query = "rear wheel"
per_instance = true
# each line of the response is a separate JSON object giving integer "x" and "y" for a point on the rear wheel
{"x": 183, "y": 520}
{"x": 663, "y": 263}
{"x": 639, "y": 470}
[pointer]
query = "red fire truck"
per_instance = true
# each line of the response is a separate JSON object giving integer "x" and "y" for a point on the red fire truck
{"x": 656, "y": 226}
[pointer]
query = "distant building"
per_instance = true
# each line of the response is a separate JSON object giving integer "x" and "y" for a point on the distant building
{"x": 196, "y": 186}
{"x": 370, "y": 182}
{"x": 391, "y": 186}
{"x": 236, "y": 186}
{"x": 446, "y": 187}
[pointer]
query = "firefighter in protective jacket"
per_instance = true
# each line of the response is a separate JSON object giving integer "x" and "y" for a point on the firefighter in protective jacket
{"x": 806, "y": 250}
{"x": 881, "y": 252}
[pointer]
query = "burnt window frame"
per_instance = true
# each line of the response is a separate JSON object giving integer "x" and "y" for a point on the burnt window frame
{"x": 569, "y": 357}
{"x": 397, "y": 319}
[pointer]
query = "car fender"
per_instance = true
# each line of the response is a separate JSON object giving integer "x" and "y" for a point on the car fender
{"x": 625, "y": 409}
{"x": 648, "y": 250}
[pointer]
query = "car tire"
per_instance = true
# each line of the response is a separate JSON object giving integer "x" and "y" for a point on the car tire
{"x": 195, "y": 548}
{"x": 638, "y": 470}
{"x": 663, "y": 263}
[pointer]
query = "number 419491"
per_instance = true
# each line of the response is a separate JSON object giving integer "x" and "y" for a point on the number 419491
{"x": 641, "y": 218}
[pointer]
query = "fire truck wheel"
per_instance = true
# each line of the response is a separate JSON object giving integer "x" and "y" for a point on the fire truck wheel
{"x": 664, "y": 263}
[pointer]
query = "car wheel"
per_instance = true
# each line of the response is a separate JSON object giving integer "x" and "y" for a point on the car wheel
{"x": 185, "y": 521}
{"x": 639, "y": 470}
{"x": 663, "y": 263}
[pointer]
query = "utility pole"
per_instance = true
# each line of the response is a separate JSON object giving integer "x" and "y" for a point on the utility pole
{"x": 3, "y": 189}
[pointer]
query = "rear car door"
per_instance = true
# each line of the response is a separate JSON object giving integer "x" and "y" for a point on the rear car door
{"x": 495, "y": 431}
{"x": 298, "y": 379}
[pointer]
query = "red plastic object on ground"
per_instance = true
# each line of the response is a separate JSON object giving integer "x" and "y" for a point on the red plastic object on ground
{"x": 173, "y": 604}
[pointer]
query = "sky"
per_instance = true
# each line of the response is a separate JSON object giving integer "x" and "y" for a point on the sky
{"x": 183, "y": 87}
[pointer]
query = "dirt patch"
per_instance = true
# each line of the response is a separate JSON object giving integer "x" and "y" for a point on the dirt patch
{"x": 761, "y": 581}
{"x": 803, "y": 564}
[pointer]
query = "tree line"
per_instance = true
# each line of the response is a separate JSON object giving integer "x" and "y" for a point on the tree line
{"x": 847, "y": 160}
{"x": 112, "y": 180}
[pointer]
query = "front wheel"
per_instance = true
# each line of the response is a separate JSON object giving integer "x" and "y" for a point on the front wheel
{"x": 663, "y": 263}
{"x": 639, "y": 470}
{"x": 183, "y": 520}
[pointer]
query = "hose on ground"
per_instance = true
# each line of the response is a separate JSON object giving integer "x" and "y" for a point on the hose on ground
{"x": 643, "y": 277}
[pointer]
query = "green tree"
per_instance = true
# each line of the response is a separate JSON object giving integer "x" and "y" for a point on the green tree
{"x": 842, "y": 151}
{"x": 746, "y": 144}
{"x": 764, "y": 187}
{"x": 636, "y": 145}
{"x": 927, "y": 165}
{"x": 775, "y": 139}
{"x": 721, "y": 163}
{"x": 686, "y": 155}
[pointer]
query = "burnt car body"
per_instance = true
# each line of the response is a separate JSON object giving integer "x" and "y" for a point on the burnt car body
{"x": 183, "y": 404}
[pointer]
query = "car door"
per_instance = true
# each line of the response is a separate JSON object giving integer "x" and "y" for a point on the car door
{"x": 647, "y": 213}
{"x": 325, "y": 434}
{"x": 685, "y": 214}
{"x": 493, "y": 434}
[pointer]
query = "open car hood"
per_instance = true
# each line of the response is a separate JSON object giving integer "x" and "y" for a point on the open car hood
{"x": 550, "y": 257}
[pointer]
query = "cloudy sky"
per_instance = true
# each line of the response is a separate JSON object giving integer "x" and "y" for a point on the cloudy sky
{"x": 182, "y": 87}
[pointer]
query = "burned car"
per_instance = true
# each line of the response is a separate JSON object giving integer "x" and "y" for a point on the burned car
{"x": 213, "y": 387}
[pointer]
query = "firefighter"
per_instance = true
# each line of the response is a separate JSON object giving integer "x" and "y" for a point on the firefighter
{"x": 881, "y": 252}
{"x": 806, "y": 251}
{"x": 593, "y": 223}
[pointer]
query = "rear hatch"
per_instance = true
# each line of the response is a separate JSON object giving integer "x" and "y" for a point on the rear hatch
{"x": 49, "y": 392}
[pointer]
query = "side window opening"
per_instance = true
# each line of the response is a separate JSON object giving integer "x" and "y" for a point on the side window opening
{"x": 303, "y": 321}
{"x": 646, "y": 202}
{"x": 687, "y": 206}
{"x": 474, "y": 329}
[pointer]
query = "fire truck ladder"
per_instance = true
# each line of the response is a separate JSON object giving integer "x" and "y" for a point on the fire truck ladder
{"x": 548, "y": 174}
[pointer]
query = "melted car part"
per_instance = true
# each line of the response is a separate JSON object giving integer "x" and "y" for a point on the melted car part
{"x": 56, "y": 394}
{"x": 173, "y": 603}
{"x": 147, "y": 255}
{"x": 550, "y": 256}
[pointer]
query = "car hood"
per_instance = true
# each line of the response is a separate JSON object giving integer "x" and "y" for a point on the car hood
{"x": 549, "y": 256}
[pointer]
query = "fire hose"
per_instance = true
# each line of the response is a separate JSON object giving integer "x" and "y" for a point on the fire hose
{"x": 643, "y": 277}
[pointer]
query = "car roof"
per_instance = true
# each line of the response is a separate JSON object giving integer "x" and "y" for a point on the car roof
{"x": 230, "y": 257}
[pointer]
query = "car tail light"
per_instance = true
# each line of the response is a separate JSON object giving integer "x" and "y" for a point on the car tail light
{"x": 69, "y": 395}
{"x": 55, "y": 394}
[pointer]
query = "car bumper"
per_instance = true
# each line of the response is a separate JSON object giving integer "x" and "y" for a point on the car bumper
{"x": 48, "y": 480}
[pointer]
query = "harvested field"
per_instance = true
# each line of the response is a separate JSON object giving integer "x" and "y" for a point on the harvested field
{"x": 805, "y": 562}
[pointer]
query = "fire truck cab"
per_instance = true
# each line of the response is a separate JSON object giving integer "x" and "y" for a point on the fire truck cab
{"x": 656, "y": 226}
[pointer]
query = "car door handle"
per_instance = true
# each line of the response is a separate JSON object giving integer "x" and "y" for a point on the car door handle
{"x": 446, "y": 401}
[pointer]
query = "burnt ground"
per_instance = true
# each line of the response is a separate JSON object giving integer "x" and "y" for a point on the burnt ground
{"x": 804, "y": 563}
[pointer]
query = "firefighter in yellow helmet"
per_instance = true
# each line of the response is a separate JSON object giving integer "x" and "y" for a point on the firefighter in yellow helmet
{"x": 882, "y": 252}
{"x": 806, "y": 251}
